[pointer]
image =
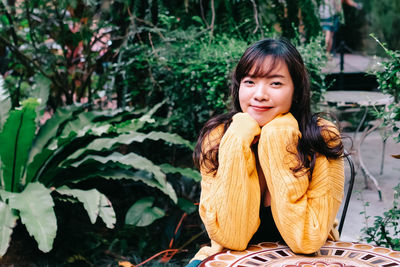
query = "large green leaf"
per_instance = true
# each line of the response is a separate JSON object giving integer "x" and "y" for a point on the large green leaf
{"x": 83, "y": 125}
{"x": 45, "y": 161}
{"x": 107, "y": 212}
{"x": 138, "y": 123}
{"x": 107, "y": 172}
{"x": 35, "y": 207}
{"x": 39, "y": 153}
{"x": 188, "y": 172}
{"x": 133, "y": 160}
{"x": 16, "y": 140}
{"x": 186, "y": 205}
{"x": 7, "y": 223}
{"x": 142, "y": 213}
{"x": 107, "y": 143}
{"x": 94, "y": 202}
{"x": 5, "y": 103}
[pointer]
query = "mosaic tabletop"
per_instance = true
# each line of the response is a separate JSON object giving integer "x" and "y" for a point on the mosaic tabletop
{"x": 338, "y": 254}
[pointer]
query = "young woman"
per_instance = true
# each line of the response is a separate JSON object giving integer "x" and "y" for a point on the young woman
{"x": 270, "y": 169}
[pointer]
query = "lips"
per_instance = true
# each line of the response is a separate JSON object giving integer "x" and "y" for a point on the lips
{"x": 260, "y": 108}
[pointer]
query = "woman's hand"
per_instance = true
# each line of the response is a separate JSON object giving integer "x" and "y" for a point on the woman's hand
{"x": 245, "y": 127}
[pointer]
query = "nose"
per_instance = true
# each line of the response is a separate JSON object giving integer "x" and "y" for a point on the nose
{"x": 261, "y": 92}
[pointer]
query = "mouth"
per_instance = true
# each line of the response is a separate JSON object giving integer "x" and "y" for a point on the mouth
{"x": 260, "y": 108}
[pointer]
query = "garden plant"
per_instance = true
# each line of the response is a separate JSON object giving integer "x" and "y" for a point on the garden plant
{"x": 41, "y": 164}
{"x": 385, "y": 230}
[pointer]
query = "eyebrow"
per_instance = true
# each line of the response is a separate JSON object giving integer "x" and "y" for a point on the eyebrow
{"x": 266, "y": 76}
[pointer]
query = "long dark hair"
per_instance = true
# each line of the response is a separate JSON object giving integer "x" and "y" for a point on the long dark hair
{"x": 312, "y": 140}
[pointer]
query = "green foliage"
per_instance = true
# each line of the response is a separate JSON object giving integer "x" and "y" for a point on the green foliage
{"x": 142, "y": 213}
{"x": 68, "y": 42}
{"x": 388, "y": 78}
{"x": 73, "y": 146}
{"x": 386, "y": 228}
{"x": 35, "y": 207}
{"x": 382, "y": 18}
{"x": 17, "y": 136}
{"x": 7, "y": 223}
{"x": 189, "y": 70}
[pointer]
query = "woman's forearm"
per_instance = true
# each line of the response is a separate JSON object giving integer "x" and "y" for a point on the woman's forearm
{"x": 230, "y": 199}
{"x": 303, "y": 210}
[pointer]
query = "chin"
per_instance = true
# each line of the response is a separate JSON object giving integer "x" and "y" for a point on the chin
{"x": 262, "y": 122}
{"x": 261, "y": 119}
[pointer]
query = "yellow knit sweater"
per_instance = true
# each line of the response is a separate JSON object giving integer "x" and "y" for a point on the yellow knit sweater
{"x": 304, "y": 211}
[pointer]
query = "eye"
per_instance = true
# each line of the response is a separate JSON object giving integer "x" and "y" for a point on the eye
{"x": 276, "y": 84}
{"x": 248, "y": 82}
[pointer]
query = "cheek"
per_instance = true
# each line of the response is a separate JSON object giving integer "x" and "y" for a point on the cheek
{"x": 289, "y": 98}
{"x": 243, "y": 99}
{"x": 284, "y": 100}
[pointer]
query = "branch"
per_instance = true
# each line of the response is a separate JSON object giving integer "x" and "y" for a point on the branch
{"x": 255, "y": 15}
{"x": 61, "y": 25}
{"x": 212, "y": 16}
{"x": 11, "y": 21}
{"x": 25, "y": 60}
{"x": 28, "y": 62}
{"x": 33, "y": 37}
{"x": 151, "y": 25}
{"x": 202, "y": 13}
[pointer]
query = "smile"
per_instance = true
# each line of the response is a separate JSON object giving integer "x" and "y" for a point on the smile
{"x": 260, "y": 108}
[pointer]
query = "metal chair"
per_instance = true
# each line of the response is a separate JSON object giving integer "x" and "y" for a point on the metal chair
{"x": 349, "y": 190}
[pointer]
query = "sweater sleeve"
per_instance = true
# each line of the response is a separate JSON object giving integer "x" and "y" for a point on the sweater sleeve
{"x": 230, "y": 198}
{"x": 304, "y": 211}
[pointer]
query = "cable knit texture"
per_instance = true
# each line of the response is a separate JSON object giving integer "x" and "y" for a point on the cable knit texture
{"x": 304, "y": 211}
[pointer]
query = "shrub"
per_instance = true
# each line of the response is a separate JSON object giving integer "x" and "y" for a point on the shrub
{"x": 40, "y": 163}
{"x": 388, "y": 78}
{"x": 386, "y": 228}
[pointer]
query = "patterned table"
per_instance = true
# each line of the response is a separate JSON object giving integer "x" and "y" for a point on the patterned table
{"x": 338, "y": 254}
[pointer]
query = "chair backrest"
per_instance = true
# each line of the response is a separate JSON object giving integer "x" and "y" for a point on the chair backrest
{"x": 349, "y": 190}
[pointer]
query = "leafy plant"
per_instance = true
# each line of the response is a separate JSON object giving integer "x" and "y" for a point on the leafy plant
{"x": 388, "y": 78}
{"x": 68, "y": 42}
{"x": 386, "y": 229}
{"x": 47, "y": 163}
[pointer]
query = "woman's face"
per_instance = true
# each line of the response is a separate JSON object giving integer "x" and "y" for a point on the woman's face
{"x": 264, "y": 98}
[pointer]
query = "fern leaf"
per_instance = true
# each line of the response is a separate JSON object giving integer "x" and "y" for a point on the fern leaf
{"x": 35, "y": 207}
{"x": 39, "y": 153}
{"x": 7, "y": 222}
{"x": 133, "y": 160}
{"x": 95, "y": 203}
{"x": 107, "y": 143}
{"x": 108, "y": 173}
{"x": 16, "y": 140}
{"x": 190, "y": 173}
